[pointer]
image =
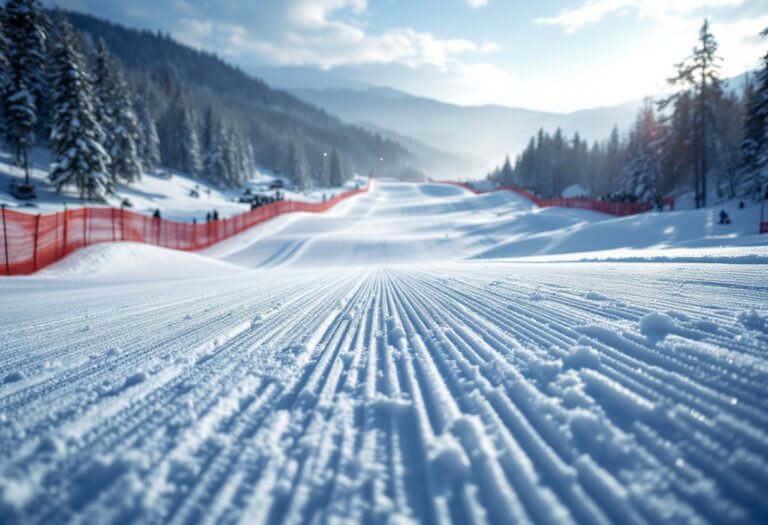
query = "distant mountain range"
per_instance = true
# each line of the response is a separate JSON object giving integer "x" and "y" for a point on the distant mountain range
{"x": 480, "y": 134}
{"x": 472, "y": 138}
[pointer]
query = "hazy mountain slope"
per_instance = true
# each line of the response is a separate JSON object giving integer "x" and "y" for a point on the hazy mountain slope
{"x": 439, "y": 164}
{"x": 275, "y": 117}
{"x": 487, "y": 132}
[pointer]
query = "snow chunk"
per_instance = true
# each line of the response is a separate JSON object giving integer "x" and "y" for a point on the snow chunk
{"x": 594, "y": 296}
{"x": 396, "y": 334}
{"x": 14, "y": 495}
{"x": 14, "y": 377}
{"x": 135, "y": 379}
{"x": 656, "y": 324}
{"x": 753, "y": 320}
{"x": 582, "y": 357}
{"x": 448, "y": 459}
{"x": 51, "y": 445}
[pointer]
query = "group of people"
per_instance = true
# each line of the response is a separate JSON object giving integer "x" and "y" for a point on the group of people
{"x": 209, "y": 217}
{"x": 261, "y": 200}
{"x": 619, "y": 197}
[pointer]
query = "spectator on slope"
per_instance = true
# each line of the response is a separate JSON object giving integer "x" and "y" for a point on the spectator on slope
{"x": 215, "y": 215}
{"x": 156, "y": 215}
{"x": 724, "y": 218}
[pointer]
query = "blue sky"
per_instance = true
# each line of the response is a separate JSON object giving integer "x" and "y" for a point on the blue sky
{"x": 548, "y": 54}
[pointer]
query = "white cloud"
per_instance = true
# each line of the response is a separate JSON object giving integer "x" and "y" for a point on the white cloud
{"x": 328, "y": 33}
{"x": 476, "y": 4}
{"x": 194, "y": 32}
{"x": 592, "y": 11}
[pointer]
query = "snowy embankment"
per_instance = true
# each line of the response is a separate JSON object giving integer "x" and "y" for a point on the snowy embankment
{"x": 379, "y": 376}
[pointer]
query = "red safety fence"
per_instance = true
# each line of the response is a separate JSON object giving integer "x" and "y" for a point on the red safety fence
{"x": 620, "y": 209}
{"x": 31, "y": 242}
{"x": 763, "y": 218}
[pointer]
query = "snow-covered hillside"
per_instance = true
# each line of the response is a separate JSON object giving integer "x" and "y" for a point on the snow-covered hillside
{"x": 177, "y": 196}
{"x": 395, "y": 361}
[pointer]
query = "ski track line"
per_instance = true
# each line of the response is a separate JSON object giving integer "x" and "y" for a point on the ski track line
{"x": 452, "y": 393}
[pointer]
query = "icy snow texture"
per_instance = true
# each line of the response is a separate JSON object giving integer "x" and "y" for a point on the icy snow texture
{"x": 338, "y": 388}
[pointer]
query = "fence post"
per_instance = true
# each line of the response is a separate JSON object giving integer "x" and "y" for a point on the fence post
{"x": 64, "y": 244}
{"x": 85, "y": 226}
{"x": 5, "y": 242}
{"x": 37, "y": 235}
{"x": 112, "y": 222}
{"x": 122, "y": 222}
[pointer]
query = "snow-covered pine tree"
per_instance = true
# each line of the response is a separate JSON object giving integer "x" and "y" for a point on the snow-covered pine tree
{"x": 249, "y": 161}
{"x": 611, "y": 167}
{"x": 336, "y": 174}
{"x": 699, "y": 76}
{"x": 150, "y": 145}
{"x": 215, "y": 166}
{"x": 187, "y": 143}
{"x": 642, "y": 171}
{"x": 679, "y": 160}
{"x": 26, "y": 29}
{"x": 114, "y": 109}
{"x": 218, "y": 163}
{"x": 232, "y": 158}
{"x": 507, "y": 173}
{"x": 297, "y": 170}
{"x": 3, "y": 58}
{"x": 753, "y": 179}
{"x": 76, "y": 136}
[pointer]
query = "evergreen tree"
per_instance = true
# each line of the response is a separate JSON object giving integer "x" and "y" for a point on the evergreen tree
{"x": 336, "y": 173}
{"x": 115, "y": 112}
{"x": 182, "y": 144}
{"x": 642, "y": 171}
{"x": 249, "y": 163}
{"x": 753, "y": 178}
{"x": 612, "y": 165}
{"x": 506, "y": 174}
{"x": 699, "y": 76}
{"x": 215, "y": 167}
{"x": 3, "y": 58}
{"x": 150, "y": 146}
{"x": 297, "y": 170}
{"x": 232, "y": 159}
{"x": 26, "y": 30}
{"x": 222, "y": 162}
{"x": 679, "y": 159}
{"x": 76, "y": 135}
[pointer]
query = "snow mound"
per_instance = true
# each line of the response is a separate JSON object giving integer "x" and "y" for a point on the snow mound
{"x": 656, "y": 324}
{"x": 582, "y": 357}
{"x": 134, "y": 260}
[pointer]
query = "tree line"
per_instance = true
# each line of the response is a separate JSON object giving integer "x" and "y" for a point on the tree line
{"x": 65, "y": 81}
{"x": 702, "y": 139}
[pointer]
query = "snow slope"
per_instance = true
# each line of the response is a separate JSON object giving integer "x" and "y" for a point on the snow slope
{"x": 387, "y": 373}
{"x": 404, "y": 222}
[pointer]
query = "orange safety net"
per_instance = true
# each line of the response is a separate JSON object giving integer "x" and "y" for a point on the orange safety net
{"x": 31, "y": 242}
{"x": 620, "y": 209}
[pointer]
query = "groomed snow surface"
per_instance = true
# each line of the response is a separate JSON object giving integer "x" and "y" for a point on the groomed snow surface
{"x": 387, "y": 362}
